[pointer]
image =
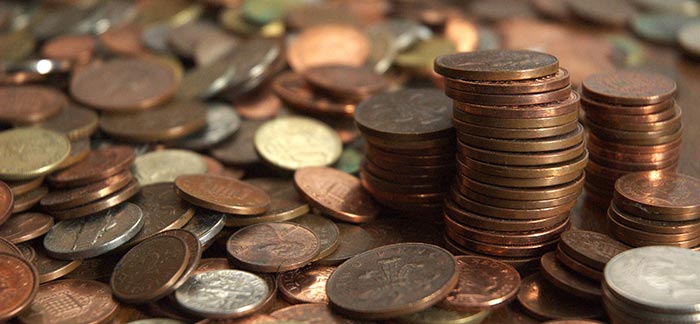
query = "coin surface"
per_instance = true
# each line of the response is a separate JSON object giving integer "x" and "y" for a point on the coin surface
{"x": 217, "y": 293}
{"x": 545, "y": 300}
{"x": 325, "y": 229}
{"x": 21, "y": 282}
{"x": 61, "y": 199}
{"x": 99, "y": 164}
{"x": 285, "y": 203}
{"x": 81, "y": 301}
{"x": 239, "y": 149}
{"x": 273, "y": 247}
{"x": 166, "y": 165}
{"x": 31, "y": 152}
{"x": 49, "y": 268}
{"x": 416, "y": 275}
{"x": 131, "y": 189}
{"x": 7, "y": 200}
{"x": 628, "y": 88}
{"x": 162, "y": 210}
{"x": 660, "y": 195}
{"x": 30, "y": 104}
{"x": 352, "y": 241}
{"x": 497, "y": 65}
{"x": 305, "y": 285}
{"x": 221, "y": 122}
{"x": 312, "y": 314}
{"x": 591, "y": 248}
{"x": 328, "y": 44}
{"x": 223, "y": 194}
{"x": 344, "y": 81}
{"x": 24, "y": 227}
{"x": 75, "y": 121}
{"x": 575, "y": 284}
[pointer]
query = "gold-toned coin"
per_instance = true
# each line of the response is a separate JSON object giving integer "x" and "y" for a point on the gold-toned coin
{"x": 31, "y": 152}
{"x": 166, "y": 165}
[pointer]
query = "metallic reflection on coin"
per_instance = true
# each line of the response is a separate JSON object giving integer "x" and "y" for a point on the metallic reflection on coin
{"x": 71, "y": 301}
{"x": 31, "y": 152}
{"x": 166, "y": 165}
{"x": 222, "y": 122}
{"x": 205, "y": 224}
{"x": 305, "y": 285}
{"x": 20, "y": 284}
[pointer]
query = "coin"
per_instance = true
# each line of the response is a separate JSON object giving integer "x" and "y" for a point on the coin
{"x": 31, "y": 152}
{"x": 259, "y": 105}
{"x": 21, "y": 282}
{"x": 123, "y": 85}
{"x": 23, "y": 186}
{"x": 629, "y": 88}
{"x": 326, "y": 231}
{"x": 669, "y": 118}
{"x": 305, "y": 285}
{"x": 520, "y": 159}
{"x": 312, "y": 314}
{"x": 496, "y": 65}
{"x": 74, "y": 121}
{"x": 288, "y": 246}
{"x": 159, "y": 261}
{"x": 544, "y": 300}
{"x": 205, "y": 225}
{"x": 345, "y": 81}
{"x": 27, "y": 201}
{"x": 577, "y": 266}
{"x": 508, "y": 99}
{"x": 195, "y": 253}
{"x": 30, "y": 104}
{"x": 549, "y": 109}
{"x": 650, "y": 225}
{"x": 94, "y": 268}
{"x": 171, "y": 121}
{"x": 99, "y": 205}
{"x": 418, "y": 59}
{"x": 567, "y": 280}
{"x": 24, "y": 227}
{"x": 221, "y": 122}
{"x": 285, "y": 203}
{"x": 294, "y": 91}
{"x": 634, "y": 237}
{"x": 551, "y": 82}
{"x": 222, "y": 194}
{"x": 688, "y": 39}
{"x": 513, "y": 237}
{"x": 538, "y": 171}
{"x": 7, "y": 200}
{"x": 162, "y": 210}
{"x": 99, "y": 164}
{"x": 62, "y": 199}
{"x": 7, "y": 247}
{"x": 209, "y": 264}
{"x": 328, "y": 44}
{"x": 591, "y": 248}
{"x": 291, "y": 143}
{"x": 545, "y": 144}
{"x": 659, "y": 195}
{"x": 257, "y": 318}
{"x": 613, "y": 13}
{"x": 166, "y": 165}
{"x": 513, "y": 133}
{"x": 239, "y": 149}
{"x": 50, "y": 269}
{"x": 89, "y": 301}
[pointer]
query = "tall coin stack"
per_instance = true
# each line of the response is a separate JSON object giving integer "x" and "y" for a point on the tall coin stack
{"x": 409, "y": 149}
{"x": 656, "y": 208}
{"x": 633, "y": 125}
{"x": 520, "y": 156}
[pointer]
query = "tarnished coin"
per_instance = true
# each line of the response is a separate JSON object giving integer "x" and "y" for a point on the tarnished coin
{"x": 305, "y": 285}
{"x": 345, "y": 82}
{"x": 239, "y": 149}
{"x": 62, "y": 199}
{"x": 273, "y": 247}
{"x": 123, "y": 85}
{"x": 149, "y": 270}
{"x": 222, "y": 122}
{"x": 313, "y": 314}
{"x": 28, "y": 200}
{"x": 195, "y": 253}
{"x": 30, "y": 104}
{"x": 31, "y": 152}
{"x": 285, "y": 203}
{"x": 71, "y": 301}
{"x": 352, "y": 240}
{"x": 628, "y": 88}
{"x": 325, "y": 229}
{"x": 497, "y": 65}
{"x": 561, "y": 276}
{"x": 545, "y": 300}
{"x": 223, "y": 293}
{"x": 591, "y": 248}
{"x": 223, "y": 194}
{"x": 659, "y": 195}
{"x": 49, "y": 268}
{"x": 24, "y": 227}
{"x": 162, "y": 210}
{"x": 99, "y": 164}
{"x": 20, "y": 284}
{"x": 416, "y": 275}
{"x": 88, "y": 237}
{"x": 131, "y": 189}
{"x": 7, "y": 247}
{"x": 328, "y": 44}
{"x": 74, "y": 121}
{"x": 7, "y": 201}
{"x": 291, "y": 143}
{"x": 166, "y": 165}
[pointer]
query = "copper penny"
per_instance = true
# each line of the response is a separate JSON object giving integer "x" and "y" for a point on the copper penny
{"x": 527, "y": 172}
{"x": 71, "y": 301}
{"x": 510, "y": 99}
{"x": 521, "y": 159}
{"x": 345, "y": 82}
{"x": 636, "y": 111}
{"x": 650, "y": 225}
{"x": 634, "y": 149}
{"x": 28, "y": 200}
{"x": 305, "y": 285}
{"x": 20, "y": 284}
{"x": 517, "y": 237}
{"x": 560, "y": 276}
{"x": 99, "y": 268}
{"x": 20, "y": 187}
{"x": 30, "y": 104}
{"x": 260, "y": 104}
{"x": 609, "y": 13}
{"x": 123, "y": 85}
{"x": 545, "y": 144}
{"x": 578, "y": 267}
{"x": 628, "y": 88}
{"x": 62, "y": 199}
{"x": 326, "y": 231}
{"x": 74, "y": 121}
{"x": 24, "y": 227}
{"x": 544, "y": 300}
{"x": 659, "y": 195}
{"x": 251, "y": 319}
{"x": 521, "y": 193}
{"x": 100, "y": 164}
{"x": 335, "y": 193}
{"x": 456, "y": 213}
{"x": 551, "y": 82}
{"x": 149, "y": 270}
{"x": 116, "y": 198}
{"x": 550, "y": 109}
{"x": 328, "y": 44}
{"x": 496, "y": 65}
{"x": 311, "y": 314}
{"x": 239, "y": 149}
{"x": 417, "y": 275}
{"x": 223, "y": 194}
{"x": 195, "y": 249}
{"x": 123, "y": 40}
{"x": 617, "y": 120}
{"x": 591, "y": 248}
{"x": 49, "y": 268}
{"x": 514, "y": 133}
{"x": 352, "y": 240}
{"x": 375, "y": 184}
{"x": 79, "y": 150}
{"x": 209, "y": 264}
{"x": 295, "y": 92}
{"x": 8, "y": 247}
{"x": 7, "y": 201}
{"x": 516, "y": 122}
{"x": 78, "y": 48}
{"x": 285, "y": 203}
{"x": 273, "y": 247}
{"x": 637, "y": 238}
{"x": 380, "y": 156}
{"x": 501, "y": 250}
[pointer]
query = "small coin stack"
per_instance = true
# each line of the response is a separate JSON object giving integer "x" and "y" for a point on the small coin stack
{"x": 409, "y": 149}
{"x": 633, "y": 125}
{"x": 653, "y": 284}
{"x": 520, "y": 153}
{"x": 656, "y": 208}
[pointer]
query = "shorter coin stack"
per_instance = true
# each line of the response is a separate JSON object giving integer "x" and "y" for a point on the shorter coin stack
{"x": 634, "y": 125}
{"x": 520, "y": 153}
{"x": 656, "y": 208}
{"x": 409, "y": 149}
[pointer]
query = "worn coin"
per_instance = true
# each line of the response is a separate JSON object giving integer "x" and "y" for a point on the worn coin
{"x": 545, "y": 300}
{"x": 77, "y": 48}
{"x": 131, "y": 189}
{"x": 30, "y": 104}
{"x": 100, "y": 164}
{"x": 62, "y": 199}
{"x": 560, "y": 276}
{"x": 221, "y": 122}
{"x": 223, "y": 194}
{"x": 162, "y": 210}
{"x": 328, "y": 44}
{"x": 628, "y": 88}
{"x": 260, "y": 104}
{"x": 24, "y": 227}
{"x": 74, "y": 121}
{"x": 345, "y": 82}
{"x": 659, "y": 195}
{"x": 312, "y": 314}
{"x": 325, "y": 229}
{"x": 239, "y": 149}
{"x": 497, "y": 65}
{"x": 166, "y": 165}
{"x": 20, "y": 284}
{"x": 27, "y": 201}
{"x": 305, "y": 285}
{"x": 71, "y": 301}
{"x": 31, "y": 152}
{"x": 49, "y": 268}
{"x": 418, "y": 59}
{"x": 591, "y": 248}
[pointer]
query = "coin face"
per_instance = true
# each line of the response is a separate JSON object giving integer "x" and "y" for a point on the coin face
{"x": 24, "y": 227}
{"x": 305, "y": 285}
{"x": 496, "y": 65}
{"x": 20, "y": 284}
{"x": 483, "y": 282}
{"x": 166, "y": 165}
{"x": 223, "y": 194}
{"x": 71, "y": 301}
{"x": 98, "y": 165}
{"x": 162, "y": 210}
{"x": 325, "y": 229}
{"x": 392, "y": 280}
{"x": 30, "y": 104}
{"x": 31, "y": 152}
{"x": 328, "y": 44}
{"x": 312, "y": 314}
{"x": 628, "y": 88}
{"x": 74, "y": 121}
{"x": 592, "y": 248}
{"x": 223, "y": 293}
{"x": 660, "y": 193}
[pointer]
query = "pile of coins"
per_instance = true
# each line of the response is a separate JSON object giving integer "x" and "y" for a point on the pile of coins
{"x": 409, "y": 149}
{"x": 520, "y": 153}
{"x": 634, "y": 124}
{"x": 656, "y": 208}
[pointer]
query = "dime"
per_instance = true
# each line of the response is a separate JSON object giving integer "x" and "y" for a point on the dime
{"x": 239, "y": 149}
{"x": 30, "y": 104}
{"x": 628, "y": 88}
{"x": 162, "y": 210}
{"x": 591, "y": 248}
{"x": 312, "y": 314}
{"x": 31, "y": 152}
{"x": 24, "y": 227}
{"x": 99, "y": 164}
{"x": 74, "y": 121}
{"x": 305, "y": 285}
{"x": 496, "y": 65}
{"x": 326, "y": 231}
{"x": 659, "y": 195}
{"x": 205, "y": 225}
{"x": 114, "y": 199}
{"x": 221, "y": 122}
{"x": 544, "y": 300}
{"x": 217, "y": 293}
{"x": 21, "y": 282}
{"x": 89, "y": 301}
{"x": 560, "y": 276}
{"x": 328, "y": 44}
{"x": 345, "y": 81}
{"x": 166, "y": 165}
{"x": 222, "y": 194}
{"x": 551, "y": 82}
{"x": 62, "y": 199}
{"x": 50, "y": 269}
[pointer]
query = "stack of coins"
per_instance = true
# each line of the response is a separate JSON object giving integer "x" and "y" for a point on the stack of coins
{"x": 520, "y": 156}
{"x": 653, "y": 284}
{"x": 633, "y": 125}
{"x": 656, "y": 208}
{"x": 409, "y": 149}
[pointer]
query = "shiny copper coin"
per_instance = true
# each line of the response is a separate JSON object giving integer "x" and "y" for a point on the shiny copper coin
{"x": 100, "y": 164}
{"x": 496, "y": 65}
{"x": 239, "y": 149}
{"x": 62, "y": 199}
{"x": 285, "y": 203}
{"x": 24, "y": 227}
{"x": 291, "y": 88}
{"x": 636, "y": 137}
{"x": 523, "y": 193}
{"x": 550, "y": 170}
{"x": 659, "y": 195}
{"x": 557, "y": 274}
{"x": 171, "y": 121}
{"x": 516, "y": 237}
{"x": 456, "y": 213}
{"x": 23, "y": 186}
{"x": 623, "y": 121}
{"x": 149, "y": 270}
{"x": 434, "y": 273}
{"x": 326, "y": 231}
{"x": 261, "y": 104}
{"x": 521, "y": 159}
{"x": 509, "y": 99}
{"x": 123, "y": 85}
{"x": 74, "y": 121}
{"x": 223, "y": 194}
{"x": 209, "y": 264}
{"x": 550, "y": 109}
{"x": 637, "y": 238}
{"x": 650, "y": 225}
{"x": 632, "y": 111}
{"x": 638, "y": 166}
{"x": 328, "y": 44}
{"x": 49, "y": 268}
{"x": 345, "y": 82}
{"x": 81, "y": 301}
{"x": 501, "y": 250}
{"x": 79, "y": 151}
{"x": 311, "y": 314}
{"x": 463, "y": 171}
{"x": 305, "y": 285}
{"x": 634, "y": 149}
{"x": 21, "y": 282}
{"x": 591, "y": 248}
{"x": 28, "y": 200}
{"x": 514, "y": 133}
{"x": 628, "y": 88}
{"x": 607, "y": 155}
{"x": 577, "y": 266}
{"x": 78, "y": 48}
{"x": 7, "y": 200}
{"x": 30, "y": 104}
{"x": 273, "y": 247}
{"x": 116, "y": 198}
{"x": 551, "y": 82}
{"x": 544, "y": 300}
{"x": 335, "y": 193}
{"x": 516, "y": 122}
{"x": 545, "y": 144}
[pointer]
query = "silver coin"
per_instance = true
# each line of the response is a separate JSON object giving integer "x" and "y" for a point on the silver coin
{"x": 405, "y": 32}
{"x": 166, "y": 165}
{"x": 223, "y": 293}
{"x": 252, "y": 61}
{"x": 222, "y": 122}
{"x": 87, "y": 237}
{"x": 205, "y": 224}
{"x": 324, "y": 228}
{"x": 155, "y": 37}
{"x": 658, "y": 278}
{"x": 105, "y": 15}
{"x": 639, "y": 315}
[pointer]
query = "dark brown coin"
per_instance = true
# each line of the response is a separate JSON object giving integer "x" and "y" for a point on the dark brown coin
{"x": 502, "y": 250}
{"x": 24, "y": 227}
{"x": 551, "y": 109}
{"x": 551, "y": 82}
{"x": 74, "y": 121}
{"x": 650, "y": 225}
{"x": 131, "y": 189}
{"x": 49, "y": 268}
{"x": 326, "y": 231}
{"x": 195, "y": 249}
{"x": 99, "y": 268}
{"x": 293, "y": 90}
{"x": 636, "y": 137}
{"x": 305, "y": 285}
{"x": 62, "y": 199}
{"x": 162, "y": 210}
{"x": 30, "y": 104}
{"x": 23, "y": 186}
{"x": 514, "y": 133}
{"x": 28, "y": 200}
{"x": 546, "y": 301}
{"x": 591, "y": 248}
{"x": 509, "y": 99}
{"x": 662, "y": 196}
{"x": 345, "y": 82}
{"x": 578, "y": 267}
{"x": 456, "y": 213}
{"x": 239, "y": 149}
{"x": 636, "y": 111}
{"x": 311, "y": 314}
{"x": 628, "y": 88}
{"x": 523, "y": 193}
{"x": 387, "y": 174}
{"x": 124, "y": 85}
{"x": 335, "y": 193}
{"x": 7, "y": 201}
{"x": 352, "y": 240}
{"x": 560, "y": 276}
{"x": 546, "y": 144}
{"x": 496, "y": 65}
{"x": 405, "y": 115}
{"x": 273, "y": 247}
{"x": 517, "y": 237}
{"x": 437, "y": 146}
{"x": 637, "y": 238}
{"x": 375, "y": 184}
{"x": 149, "y": 270}
{"x": 603, "y": 153}
{"x": 71, "y": 301}
{"x": 100, "y": 164}
{"x": 223, "y": 194}
{"x": 516, "y": 122}
{"x": 20, "y": 284}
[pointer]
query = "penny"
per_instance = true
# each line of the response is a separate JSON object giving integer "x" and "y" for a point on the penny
{"x": 522, "y": 159}
{"x": 24, "y": 227}
{"x": 326, "y": 231}
{"x": 514, "y": 133}
{"x": 27, "y": 201}
{"x": 258, "y": 105}
{"x": 496, "y": 65}
{"x": 74, "y": 121}
{"x": 544, "y": 300}
{"x": 91, "y": 236}
{"x": 205, "y": 224}
{"x": 463, "y": 170}
{"x": 94, "y": 268}
{"x": 123, "y": 85}
{"x": 62, "y": 199}
{"x": 328, "y": 44}
{"x": 545, "y": 144}
{"x": 21, "y": 282}
{"x": 114, "y": 199}
{"x": 591, "y": 248}
{"x": 257, "y": 318}
{"x": 578, "y": 267}
{"x": 636, "y": 110}
{"x": 78, "y": 48}
{"x": 510, "y": 99}
{"x": 312, "y": 314}
{"x": 50, "y": 269}
{"x": 456, "y": 213}
{"x": 166, "y": 165}
{"x": 221, "y": 122}
{"x": 149, "y": 270}
{"x": 345, "y": 81}
{"x": 610, "y": 13}
{"x": 551, "y": 82}
{"x": 637, "y": 137}
{"x": 285, "y": 203}
{"x": 635, "y": 122}
{"x": 28, "y": 252}
{"x": 374, "y": 183}
{"x": 305, "y": 285}
{"x": 663, "y": 196}
{"x": 8, "y": 247}
{"x": 30, "y": 104}
{"x": 291, "y": 143}
{"x": 629, "y": 88}
{"x": 634, "y": 237}
{"x": 162, "y": 210}
{"x": 438, "y": 315}
{"x": 7, "y": 201}
{"x": 205, "y": 81}
{"x": 217, "y": 293}
{"x": 123, "y": 40}
{"x": 79, "y": 151}
{"x": 239, "y": 149}
{"x": 31, "y": 152}
{"x": 516, "y": 237}
{"x": 516, "y": 122}
{"x": 650, "y": 225}
{"x": 539, "y": 171}
{"x": 381, "y": 156}
{"x": 100, "y": 164}
{"x": 550, "y": 109}
{"x": 501, "y": 250}
{"x": 223, "y": 194}
{"x": 688, "y": 39}
{"x": 23, "y": 186}
{"x": 523, "y": 193}
{"x": 294, "y": 91}
{"x": 83, "y": 301}
{"x": 195, "y": 253}
{"x": 560, "y": 276}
